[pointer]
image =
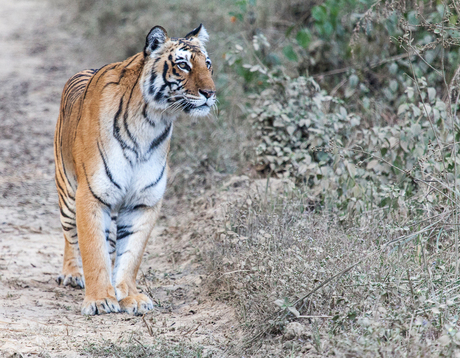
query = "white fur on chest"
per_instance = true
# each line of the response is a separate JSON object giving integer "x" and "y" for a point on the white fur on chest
{"x": 128, "y": 178}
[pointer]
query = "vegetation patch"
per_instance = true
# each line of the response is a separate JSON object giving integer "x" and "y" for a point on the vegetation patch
{"x": 365, "y": 291}
{"x": 135, "y": 349}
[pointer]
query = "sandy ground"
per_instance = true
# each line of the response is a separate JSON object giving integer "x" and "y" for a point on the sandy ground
{"x": 38, "y": 317}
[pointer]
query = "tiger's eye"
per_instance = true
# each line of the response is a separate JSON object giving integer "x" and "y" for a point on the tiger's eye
{"x": 184, "y": 66}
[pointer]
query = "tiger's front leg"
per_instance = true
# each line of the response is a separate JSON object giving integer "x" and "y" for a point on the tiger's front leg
{"x": 93, "y": 219}
{"x": 133, "y": 230}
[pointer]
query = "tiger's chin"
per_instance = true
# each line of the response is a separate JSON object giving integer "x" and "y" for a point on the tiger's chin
{"x": 199, "y": 111}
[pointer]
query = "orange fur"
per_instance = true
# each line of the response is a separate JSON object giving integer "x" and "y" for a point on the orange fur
{"x": 101, "y": 146}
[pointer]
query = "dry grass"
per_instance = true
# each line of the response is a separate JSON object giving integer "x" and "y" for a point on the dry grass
{"x": 367, "y": 291}
{"x": 133, "y": 348}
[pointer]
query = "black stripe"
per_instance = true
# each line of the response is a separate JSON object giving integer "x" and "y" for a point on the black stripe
{"x": 116, "y": 128}
{"x": 125, "y": 116}
{"x": 122, "y": 253}
{"x": 66, "y": 228}
{"x": 134, "y": 57}
{"x": 66, "y": 204}
{"x": 106, "y": 167}
{"x": 130, "y": 135}
{"x": 64, "y": 179}
{"x": 159, "y": 94}
{"x": 65, "y": 215}
{"x": 110, "y": 83}
{"x": 153, "y": 77}
{"x": 140, "y": 206}
{"x": 59, "y": 187}
{"x": 105, "y": 71}
{"x": 91, "y": 190}
{"x": 87, "y": 86}
{"x": 160, "y": 139}
{"x": 116, "y": 132}
{"x": 124, "y": 231}
{"x": 156, "y": 181}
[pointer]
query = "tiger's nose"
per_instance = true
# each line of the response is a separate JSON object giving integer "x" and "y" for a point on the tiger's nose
{"x": 207, "y": 93}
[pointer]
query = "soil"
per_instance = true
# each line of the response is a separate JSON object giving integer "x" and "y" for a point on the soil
{"x": 38, "y": 53}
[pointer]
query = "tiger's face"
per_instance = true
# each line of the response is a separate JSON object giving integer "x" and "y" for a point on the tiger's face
{"x": 177, "y": 72}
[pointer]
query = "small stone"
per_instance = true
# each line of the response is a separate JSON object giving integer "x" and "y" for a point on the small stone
{"x": 307, "y": 347}
{"x": 296, "y": 330}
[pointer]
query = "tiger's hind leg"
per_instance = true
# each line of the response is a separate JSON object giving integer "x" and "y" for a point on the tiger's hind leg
{"x": 72, "y": 274}
{"x": 133, "y": 230}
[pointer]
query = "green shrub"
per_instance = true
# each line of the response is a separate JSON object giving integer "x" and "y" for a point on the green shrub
{"x": 309, "y": 136}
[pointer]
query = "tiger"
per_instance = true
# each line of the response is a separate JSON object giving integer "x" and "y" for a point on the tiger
{"x": 111, "y": 145}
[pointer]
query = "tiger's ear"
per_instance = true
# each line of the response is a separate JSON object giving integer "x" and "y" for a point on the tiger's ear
{"x": 156, "y": 37}
{"x": 200, "y": 33}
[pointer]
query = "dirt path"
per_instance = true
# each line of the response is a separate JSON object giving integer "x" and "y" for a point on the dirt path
{"x": 37, "y": 317}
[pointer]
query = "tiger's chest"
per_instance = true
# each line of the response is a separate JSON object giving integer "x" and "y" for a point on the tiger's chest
{"x": 133, "y": 170}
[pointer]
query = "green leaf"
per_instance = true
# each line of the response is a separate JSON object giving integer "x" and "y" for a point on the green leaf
{"x": 303, "y": 38}
{"x": 431, "y": 93}
{"x": 393, "y": 68}
{"x": 393, "y": 85}
{"x": 328, "y": 29}
{"x": 353, "y": 80}
{"x": 289, "y": 52}
{"x": 319, "y": 13}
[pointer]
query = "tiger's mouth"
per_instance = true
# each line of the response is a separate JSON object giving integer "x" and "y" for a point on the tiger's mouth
{"x": 198, "y": 111}
{"x": 193, "y": 106}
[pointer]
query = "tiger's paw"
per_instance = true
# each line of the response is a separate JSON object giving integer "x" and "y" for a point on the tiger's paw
{"x": 74, "y": 279}
{"x": 92, "y": 307}
{"x": 136, "y": 304}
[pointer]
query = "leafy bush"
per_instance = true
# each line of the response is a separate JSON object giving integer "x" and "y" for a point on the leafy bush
{"x": 309, "y": 136}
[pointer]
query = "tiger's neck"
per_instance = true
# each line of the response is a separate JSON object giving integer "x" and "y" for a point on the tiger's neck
{"x": 143, "y": 130}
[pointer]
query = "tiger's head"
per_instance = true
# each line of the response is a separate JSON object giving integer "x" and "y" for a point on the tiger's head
{"x": 177, "y": 72}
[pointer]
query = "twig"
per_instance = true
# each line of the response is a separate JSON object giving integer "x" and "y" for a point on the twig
{"x": 228, "y": 273}
{"x": 410, "y": 285}
{"x": 141, "y": 344}
{"x": 149, "y": 328}
{"x": 375, "y": 64}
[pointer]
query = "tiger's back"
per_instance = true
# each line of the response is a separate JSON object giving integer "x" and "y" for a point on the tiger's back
{"x": 64, "y": 137}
